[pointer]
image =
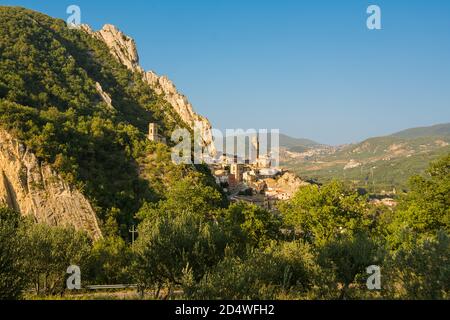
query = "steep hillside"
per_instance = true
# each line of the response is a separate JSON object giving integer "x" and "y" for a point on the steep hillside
{"x": 80, "y": 108}
{"x": 123, "y": 48}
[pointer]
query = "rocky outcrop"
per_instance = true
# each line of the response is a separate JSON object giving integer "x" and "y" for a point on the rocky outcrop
{"x": 123, "y": 48}
{"x": 105, "y": 97}
{"x": 35, "y": 189}
{"x": 288, "y": 182}
{"x": 162, "y": 85}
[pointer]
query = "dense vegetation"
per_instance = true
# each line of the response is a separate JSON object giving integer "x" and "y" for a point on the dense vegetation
{"x": 48, "y": 99}
{"x": 189, "y": 246}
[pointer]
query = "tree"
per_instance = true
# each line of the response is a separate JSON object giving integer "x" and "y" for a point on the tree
{"x": 189, "y": 195}
{"x": 420, "y": 269}
{"x": 167, "y": 245}
{"x": 419, "y": 237}
{"x": 110, "y": 261}
{"x": 346, "y": 259}
{"x": 13, "y": 275}
{"x": 250, "y": 225}
{"x": 426, "y": 208}
{"x": 281, "y": 271}
{"x": 50, "y": 251}
{"x": 322, "y": 214}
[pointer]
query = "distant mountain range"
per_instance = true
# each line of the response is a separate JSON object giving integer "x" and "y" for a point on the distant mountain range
{"x": 439, "y": 130}
{"x": 380, "y": 163}
{"x": 297, "y": 144}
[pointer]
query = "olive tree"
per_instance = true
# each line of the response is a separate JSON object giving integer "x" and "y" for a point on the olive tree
{"x": 13, "y": 274}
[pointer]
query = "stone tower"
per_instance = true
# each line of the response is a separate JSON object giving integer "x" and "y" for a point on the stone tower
{"x": 153, "y": 132}
{"x": 255, "y": 143}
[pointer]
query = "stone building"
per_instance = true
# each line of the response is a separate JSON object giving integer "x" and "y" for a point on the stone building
{"x": 153, "y": 134}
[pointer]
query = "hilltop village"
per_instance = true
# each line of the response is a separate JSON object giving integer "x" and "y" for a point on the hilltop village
{"x": 255, "y": 181}
{"x": 258, "y": 183}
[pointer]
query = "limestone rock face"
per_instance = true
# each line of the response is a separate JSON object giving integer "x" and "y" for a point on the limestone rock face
{"x": 163, "y": 85}
{"x": 123, "y": 48}
{"x": 105, "y": 97}
{"x": 36, "y": 190}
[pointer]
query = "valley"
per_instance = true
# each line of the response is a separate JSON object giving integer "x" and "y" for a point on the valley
{"x": 381, "y": 164}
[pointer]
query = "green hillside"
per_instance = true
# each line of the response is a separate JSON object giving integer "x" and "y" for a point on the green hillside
{"x": 296, "y": 143}
{"x": 439, "y": 130}
{"x": 48, "y": 99}
{"x": 381, "y": 163}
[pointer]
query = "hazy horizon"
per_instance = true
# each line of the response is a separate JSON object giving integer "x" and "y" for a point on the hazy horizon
{"x": 369, "y": 137}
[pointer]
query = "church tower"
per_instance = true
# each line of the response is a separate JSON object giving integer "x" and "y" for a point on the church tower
{"x": 255, "y": 143}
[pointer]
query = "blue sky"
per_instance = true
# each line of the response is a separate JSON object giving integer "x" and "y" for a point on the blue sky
{"x": 309, "y": 68}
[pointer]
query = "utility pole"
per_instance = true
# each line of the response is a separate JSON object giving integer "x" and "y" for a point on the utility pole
{"x": 133, "y": 231}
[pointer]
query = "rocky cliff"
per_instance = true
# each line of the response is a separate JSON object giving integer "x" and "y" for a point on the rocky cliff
{"x": 123, "y": 48}
{"x": 35, "y": 190}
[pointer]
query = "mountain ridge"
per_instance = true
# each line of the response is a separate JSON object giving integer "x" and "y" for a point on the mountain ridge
{"x": 290, "y": 142}
{"x": 438, "y": 130}
{"x": 124, "y": 49}
{"x": 67, "y": 98}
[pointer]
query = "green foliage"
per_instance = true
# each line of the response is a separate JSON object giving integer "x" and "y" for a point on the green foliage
{"x": 188, "y": 195}
{"x": 322, "y": 214}
{"x": 418, "y": 238}
{"x": 420, "y": 269}
{"x": 345, "y": 260}
{"x": 187, "y": 232}
{"x": 250, "y": 225}
{"x": 110, "y": 261}
{"x": 167, "y": 245}
{"x": 50, "y": 251}
{"x": 281, "y": 271}
{"x": 13, "y": 276}
{"x": 426, "y": 208}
